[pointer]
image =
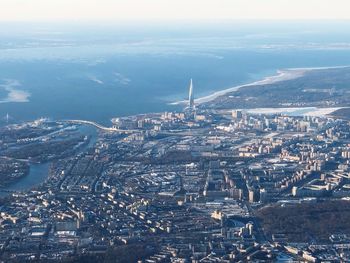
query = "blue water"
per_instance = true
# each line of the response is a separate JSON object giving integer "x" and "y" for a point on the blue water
{"x": 38, "y": 173}
{"x": 99, "y": 72}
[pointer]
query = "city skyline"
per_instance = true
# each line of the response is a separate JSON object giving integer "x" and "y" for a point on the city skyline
{"x": 109, "y": 152}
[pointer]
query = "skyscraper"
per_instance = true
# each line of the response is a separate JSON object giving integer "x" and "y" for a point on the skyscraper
{"x": 190, "y": 96}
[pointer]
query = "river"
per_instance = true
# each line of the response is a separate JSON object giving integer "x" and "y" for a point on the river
{"x": 38, "y": 173}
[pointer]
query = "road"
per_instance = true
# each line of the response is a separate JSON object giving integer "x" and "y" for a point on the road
{"x": 99, "y": 126}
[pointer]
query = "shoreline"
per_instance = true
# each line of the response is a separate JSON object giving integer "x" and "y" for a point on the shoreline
{"x": 281, "y": 75}
{"x": 295, "y": 111}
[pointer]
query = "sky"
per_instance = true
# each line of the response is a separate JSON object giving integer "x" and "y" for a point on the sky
{"x": 153, "y": 10}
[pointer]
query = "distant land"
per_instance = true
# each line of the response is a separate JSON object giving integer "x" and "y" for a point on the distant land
{"x": 291, "y": 88}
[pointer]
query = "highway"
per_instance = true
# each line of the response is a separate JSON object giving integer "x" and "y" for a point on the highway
{"x": 112, "y": 129}
{"x": 99, "y": 126}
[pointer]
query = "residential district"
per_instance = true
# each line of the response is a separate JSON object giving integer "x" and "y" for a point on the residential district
{"x": 191, "y": 186}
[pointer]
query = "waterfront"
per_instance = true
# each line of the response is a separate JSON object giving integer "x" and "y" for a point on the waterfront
{"x": 39, "y": 172}
{"x": 301, "y": 111}
{"x": 37, "y": 175}
{"x": 174, "y": 131}
{"x": 94, "y": 74}
{"x": 231, "y": 165}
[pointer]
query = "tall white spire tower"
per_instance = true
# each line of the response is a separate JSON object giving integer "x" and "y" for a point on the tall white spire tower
{"x": 190, "y": 96}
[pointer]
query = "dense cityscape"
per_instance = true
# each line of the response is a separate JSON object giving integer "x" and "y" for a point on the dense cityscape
{"x": 201, "y": 185}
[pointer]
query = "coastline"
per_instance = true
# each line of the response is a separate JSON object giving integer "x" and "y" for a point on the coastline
{"x": 281, "y": 75}
{"x": 295, "y": 111}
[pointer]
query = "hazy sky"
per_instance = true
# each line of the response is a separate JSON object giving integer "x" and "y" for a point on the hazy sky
{"x": 82, "y": 10}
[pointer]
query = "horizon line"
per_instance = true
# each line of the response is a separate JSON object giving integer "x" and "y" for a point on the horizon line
{"x": 98, "y": 21}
